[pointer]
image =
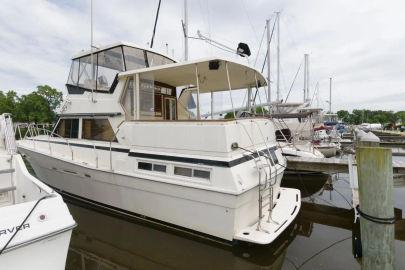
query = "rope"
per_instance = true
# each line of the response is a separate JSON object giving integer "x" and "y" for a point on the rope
{"x": 22, "y": 223}
{"x": 377, "y": 220}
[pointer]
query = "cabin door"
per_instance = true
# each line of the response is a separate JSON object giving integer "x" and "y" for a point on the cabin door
{"x": 170, "y": 108}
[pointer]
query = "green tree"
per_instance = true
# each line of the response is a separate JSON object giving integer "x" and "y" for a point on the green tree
{"x": 8, "y": 102}
{"x": 34, "y": 108}
{"x": 52, "y": 96}
{"x": 344, "y": 115}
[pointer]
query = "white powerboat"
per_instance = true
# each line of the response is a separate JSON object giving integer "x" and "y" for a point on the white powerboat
{"x": 35, "y": 224}
{"x": 129, "y": 144}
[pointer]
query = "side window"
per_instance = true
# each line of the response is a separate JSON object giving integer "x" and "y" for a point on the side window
{"x": 74, "y": 73}
{"x": 109, "y": 63}
{"x": 97, "y": 129}
{"x": 68, "y": 128}
{"x": 134, "y": 58}
{"x": 274, "y": 156}
{"x": 85, "y": 69}
{"x": 157, "y": 60}
{"x": 127, "y": 99}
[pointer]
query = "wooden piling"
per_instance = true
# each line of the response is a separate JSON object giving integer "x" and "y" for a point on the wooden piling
{"x": 374, "y": 168}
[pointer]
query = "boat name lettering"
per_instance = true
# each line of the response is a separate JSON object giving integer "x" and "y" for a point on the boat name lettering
{"x": 14, "y": 229}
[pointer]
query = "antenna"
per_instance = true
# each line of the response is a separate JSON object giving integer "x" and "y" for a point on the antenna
{"x": 185, "y": 30}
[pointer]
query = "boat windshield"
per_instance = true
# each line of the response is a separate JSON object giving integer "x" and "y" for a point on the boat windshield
{"x": 98, "y": 71}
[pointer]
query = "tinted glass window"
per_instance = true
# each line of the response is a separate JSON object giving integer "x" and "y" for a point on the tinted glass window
{"x": 159, "y": 168}
{"x": 201, "y": 174}
{"x": 274, "y": 156}
{"x": 74, "y": 73}
{"x": 183, "y": 171}
{"x": 145, "y": 166}
{"x": 68, "y": 128}
{"x": 134, "y": 58}
{"x": 127, "y": 100}
{"x": 157, "y": 60}
{"x": 97, "y": 129}
{"x": 109, "y": 63}
{"x": 85, "y": 69}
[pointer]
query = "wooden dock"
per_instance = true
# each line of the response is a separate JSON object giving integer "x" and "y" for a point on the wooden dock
{"x": 335, "y": 165}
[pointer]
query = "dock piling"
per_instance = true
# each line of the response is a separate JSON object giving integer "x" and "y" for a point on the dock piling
{"x": 374, "y": 168}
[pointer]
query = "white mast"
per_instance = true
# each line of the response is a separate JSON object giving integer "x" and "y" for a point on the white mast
{"x": 305, "y": 76}
{"x": 308, "y": 98}
{"x": 185, "y": 31}
{"x": 278, "y": 56}
{"x": 91, "y": 51}
{"x": 268, "y": 64}
{"x": 330, "y": 95}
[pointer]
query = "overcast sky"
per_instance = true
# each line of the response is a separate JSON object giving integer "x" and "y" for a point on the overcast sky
{"x": 360, "y": 44}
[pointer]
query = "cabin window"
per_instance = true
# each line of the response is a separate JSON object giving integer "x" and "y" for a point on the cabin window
{"x": 157, "y": 101}
{"x": 97, "y": 129}
{"x": 68, "y": 128}
{"x": 157, "y": 60}
{"x": 274, "y": 156}
{"x": 109, "y": 63}
{"x": 201, "y": 174}
{"x": 151, "y": 167}
{"x": 134, "y": 58}
{"x": 127, "y": 100}
{"x": 145, "y": 166}
{"x": 146, "y": 97}
{"x": 183, "y": 171}
{"x": 159, "y": 168}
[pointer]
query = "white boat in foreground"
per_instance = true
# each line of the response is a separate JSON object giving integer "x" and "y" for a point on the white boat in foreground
{"x": 35, "y": 223}
{"x": 135, "y": 147}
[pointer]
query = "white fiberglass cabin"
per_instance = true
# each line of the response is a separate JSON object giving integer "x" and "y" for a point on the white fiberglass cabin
{"x": 141, "y": 149}
{"x": 35, "y": 223}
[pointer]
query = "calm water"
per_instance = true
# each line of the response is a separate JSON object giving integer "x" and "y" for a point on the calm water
{"x": 320, "y": 238}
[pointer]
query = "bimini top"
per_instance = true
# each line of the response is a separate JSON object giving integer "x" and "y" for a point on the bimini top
{"x": 96, "y": 70}
{"x": 211, "y": 72}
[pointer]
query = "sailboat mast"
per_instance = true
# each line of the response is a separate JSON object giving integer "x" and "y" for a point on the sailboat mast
{"x": 91, "y": 51}
{"x": 305, "y": 76}
{"x": 268, "y": 64}
{"x": 185, "y": 31}
{"x": 330, "y": 95}
{"x": 278, "y": 56}
{"x": 308, "y": 97}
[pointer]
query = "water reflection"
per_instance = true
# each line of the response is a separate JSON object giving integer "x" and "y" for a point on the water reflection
{"x": 308, "y": 183}
{"x": 103, "y": 241}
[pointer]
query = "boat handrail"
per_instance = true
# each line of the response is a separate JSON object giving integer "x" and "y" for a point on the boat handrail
{"x": 32, "y": 127}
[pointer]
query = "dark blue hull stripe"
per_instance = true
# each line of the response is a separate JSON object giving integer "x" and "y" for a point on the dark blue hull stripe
{"x": 209, "y": 162}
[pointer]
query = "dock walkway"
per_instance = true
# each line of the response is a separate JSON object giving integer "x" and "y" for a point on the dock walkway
{"x": 332, "y": 165}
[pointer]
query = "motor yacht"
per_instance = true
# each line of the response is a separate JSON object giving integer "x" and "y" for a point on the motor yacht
{"x": 35, "y": 223}
{"x": 129, "y": 141}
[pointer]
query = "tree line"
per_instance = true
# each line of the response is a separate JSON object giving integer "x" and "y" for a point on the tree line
{"x": 368, "y": 116}
{"x": 38, "y": 106}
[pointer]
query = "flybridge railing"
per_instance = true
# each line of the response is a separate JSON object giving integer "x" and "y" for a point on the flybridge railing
{"x": 33, "y": 132}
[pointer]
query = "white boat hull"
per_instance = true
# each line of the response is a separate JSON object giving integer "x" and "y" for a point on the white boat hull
{"x": 46, "y": 254}
{"x": 208, "y": 212}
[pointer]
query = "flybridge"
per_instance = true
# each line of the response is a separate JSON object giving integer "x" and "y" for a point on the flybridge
{"x": 97, "y": 70}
